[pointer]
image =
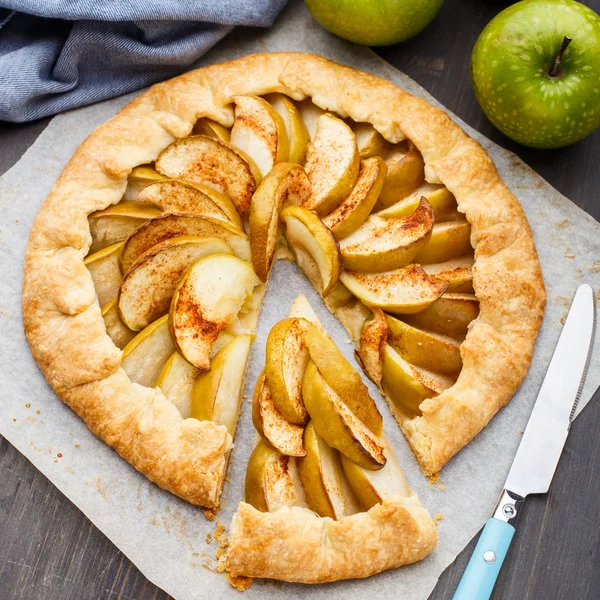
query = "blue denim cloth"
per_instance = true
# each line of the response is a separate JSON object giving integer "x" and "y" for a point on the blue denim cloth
{"x": 59, "y": 54}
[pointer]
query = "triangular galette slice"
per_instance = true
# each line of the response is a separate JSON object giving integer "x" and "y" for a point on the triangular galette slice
{"x": 325, "y": 496}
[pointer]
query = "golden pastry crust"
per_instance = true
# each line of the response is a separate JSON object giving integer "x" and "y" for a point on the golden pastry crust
{"x": 67, "y": 335}
{"x": 294, "y": 544}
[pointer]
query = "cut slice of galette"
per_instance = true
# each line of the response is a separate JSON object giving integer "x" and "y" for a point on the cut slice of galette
{"x": 146, "y": 269}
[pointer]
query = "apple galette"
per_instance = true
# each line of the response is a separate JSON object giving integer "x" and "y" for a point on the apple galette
{"x": 146, "y": 269}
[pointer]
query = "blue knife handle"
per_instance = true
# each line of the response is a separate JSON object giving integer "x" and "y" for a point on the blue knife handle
{"x": 480, "y": 576}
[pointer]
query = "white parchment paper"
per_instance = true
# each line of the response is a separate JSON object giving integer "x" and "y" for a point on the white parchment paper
{"x": 164, "y": 536}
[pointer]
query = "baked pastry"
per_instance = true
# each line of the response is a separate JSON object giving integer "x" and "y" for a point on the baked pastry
{"x": 146, "y": 267}
{"x": 322, "y": 449}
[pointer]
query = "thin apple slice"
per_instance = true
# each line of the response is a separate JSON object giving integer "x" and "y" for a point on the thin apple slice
{"x": 145, "y": 355}
{"x": 206, "y": 301}
{"x": 373, "y": 339}
{"x": 441, "y": 199}
{"x": 286, "y": 183}
{"x": 332, "y": 164}
{"x": 106, "y": 274}
{"x": 458, "y": 273}
{"x": 369, "y": 141}
{"x": 139, "y": 178}
{"x": 217, "y": 394}
{"x": 448, "y": 241}
{"x": 373, "y": 487}
{"x": 301, "y": 308}
{"x": 211, "y": 129}
{"x": 272, "y": 480}
{"x": 287, "y": 357}
{"x": 311, "y": 113}
{"x": 432, "y": 351}
{"x": 174, "y": 196}
{"x": 118, "y": 332}
{"x": 450, "y": 315}
{"x": 176, "y": 380}
{"x": 312, "y": 241}
{"x": 284, "y": 436}
{"x": 341, "y": 377}
{"x": 406, "y": 172}
{"x": 354, "y": 210}
{"x": 297, "y": 133}
{"x": 337, "y": 424}
{"x": 259, "y": 131}
{"x": 387, "y": 244}
{"x": 404, "y": 291}
{"x": 407, "y": 386}
{"x": 217, "y": 164}
{"x": 149, "y": 284}
{"x": 168, "y": 226}
{"x": 117, "y": 222}
{"x": 327, "y": 491}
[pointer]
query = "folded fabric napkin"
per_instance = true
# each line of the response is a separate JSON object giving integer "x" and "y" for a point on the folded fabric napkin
{"x": 59, "y": 54}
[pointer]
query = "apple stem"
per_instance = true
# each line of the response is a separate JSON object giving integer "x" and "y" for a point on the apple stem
{"x": 565, "y": 44}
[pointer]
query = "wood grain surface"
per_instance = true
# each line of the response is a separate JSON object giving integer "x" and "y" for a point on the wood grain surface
{"x": 48, "y": 548}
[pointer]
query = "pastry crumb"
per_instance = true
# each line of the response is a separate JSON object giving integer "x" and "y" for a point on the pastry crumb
{"x": 569, "y": 254}
{"x": 240, "y": 582}
{"x": 211, "y": 513}
{"x": 442, "y": 487}
{"x": 437, "y": 518}
{"x": 433, "y": 479}
{"x": 28, "y": 405}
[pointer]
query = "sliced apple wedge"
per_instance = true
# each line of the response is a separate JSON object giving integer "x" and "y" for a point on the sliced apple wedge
{"x": 168, "y": 226}
{"x": 337, "y": 424}
{"x": 458, "y": 273}
{"x": 373, "y": 487}
{"x": 217, "y": 394}
{"x": 259, "y": 131}
{"x": 272, "y": 480}
{"x": 217, "y": 164}
{"x": 116, "y": 223}
{"x": 332, "y": 164}
{"x": 387, "y": 244}
{"x": 301, "y": 308}
{"x": 354, "y": 210}
{"x": 406, "y": 172}
{"x": 145, "y": 355}
{"x": 297, "y": 133}
{"x": 369, "y": 141}
{"x": 432, "y": 351}
{"x": 118, "y": 332}
{"x": 139, "y": 178}
{"x": 373, "y": 339}
{"x": 284, "y": 436}
{"x": 149, "y": 284}
{"x": 311, "y": 241}
{"x": 404, "y": 291}
{"x": 174, "y": 196}
{"x": 106, "y": 274}
{"x": 286, "y": 360}
{"x": 310, "y": 114}
{"x": 212, "y": 129}
{"x": 450, "y": 315}
{"x": 326, "y": 489}
{"x": 176, "y": 380}
{"x": 341, "y": 377}
{"x": 407, "y": 385}
{"x": 441, "y": 199}
{"x": 286, "y": 183}
{"x": 449, "y": 240}
{"x": 207, "y": 300}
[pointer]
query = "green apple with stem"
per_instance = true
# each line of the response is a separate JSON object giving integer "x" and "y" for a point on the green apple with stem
{"x": 374, "y": 22}
{"x": 535, "y": 71}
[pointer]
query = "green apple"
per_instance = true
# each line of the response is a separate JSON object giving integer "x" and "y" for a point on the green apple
{"x": 374, "y": 22}
{"x": 535, "y": 71}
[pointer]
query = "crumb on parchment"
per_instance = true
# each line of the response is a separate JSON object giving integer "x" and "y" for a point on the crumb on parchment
{"x": 437, "y": 518}
{"x": 220, "y": 534}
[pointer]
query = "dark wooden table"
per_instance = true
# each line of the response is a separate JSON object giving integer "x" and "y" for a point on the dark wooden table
{"x": 50, "y": 551}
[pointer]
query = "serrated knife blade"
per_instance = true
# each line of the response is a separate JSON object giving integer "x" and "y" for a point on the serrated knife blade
{"x": 541, "y": 446}
{"x": 548, "y": 426}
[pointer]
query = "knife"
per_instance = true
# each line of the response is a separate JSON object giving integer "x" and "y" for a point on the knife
{"x": 540, "y": 448}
